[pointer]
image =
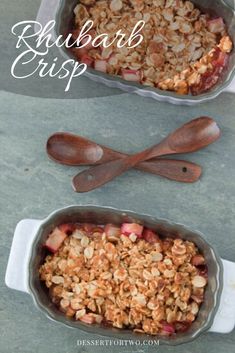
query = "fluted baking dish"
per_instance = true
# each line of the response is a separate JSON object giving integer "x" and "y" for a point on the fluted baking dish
{"x": 216, "y": 314}
{"x": 62, "y": 12}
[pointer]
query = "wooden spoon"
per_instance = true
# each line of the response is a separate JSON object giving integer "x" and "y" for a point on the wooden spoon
{"x": 72, "y": 149}
{"x": 191, "y": 137}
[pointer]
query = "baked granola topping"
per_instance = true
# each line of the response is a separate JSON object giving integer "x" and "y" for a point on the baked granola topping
{"x": 176, "y": 53}
{"x": 115, "y": 276}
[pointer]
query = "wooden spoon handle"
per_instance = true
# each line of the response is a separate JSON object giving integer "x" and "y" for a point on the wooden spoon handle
{"x": 173, "y": 169}
{"x": 178, "y": 170}
{"x": 101, "y": 174}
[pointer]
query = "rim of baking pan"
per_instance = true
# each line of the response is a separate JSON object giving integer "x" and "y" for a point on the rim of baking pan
{"x": 133, "y": 87}
{"x": 116, "y": 333}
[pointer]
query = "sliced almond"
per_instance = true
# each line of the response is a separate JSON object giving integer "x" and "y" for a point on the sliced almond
{"x": 168, "y": 262}
{"x": 64, "y": 303}
{"x": 155, "y": 272}
{"x": 78, "y": 234}
{"x": 77, "y": 288}
{"x": 116, "y": 5}
{"x": 156, "y": 256}
{"x": 133, "y": 237}
{"x": 140, "y": 298}
{"x": 88, "y": 252}
{"x": 84, "y": 241}
{"x": 199, "y": 281}
{"x": 194, "y": 308}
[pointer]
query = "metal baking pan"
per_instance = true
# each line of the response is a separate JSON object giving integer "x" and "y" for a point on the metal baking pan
{"x": 62, "y": 12}
{"x": 216, "y": 314}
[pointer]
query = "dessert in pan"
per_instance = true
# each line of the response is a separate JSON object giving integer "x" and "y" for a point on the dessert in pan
{"x": 126, "y": 276}
{"x": 184, "y": 49}
{"x": 121, "y": 274}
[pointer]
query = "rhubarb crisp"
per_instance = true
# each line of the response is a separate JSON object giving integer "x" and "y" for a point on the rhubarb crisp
{"x": 126, "y": 277}
{"x": 183, "y": 50}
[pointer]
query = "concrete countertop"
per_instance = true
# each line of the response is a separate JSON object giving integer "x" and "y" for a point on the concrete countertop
{"x": 32, "y": 186}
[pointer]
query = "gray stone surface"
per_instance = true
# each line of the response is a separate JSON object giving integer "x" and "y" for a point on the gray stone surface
{"x": 32, "y": 186}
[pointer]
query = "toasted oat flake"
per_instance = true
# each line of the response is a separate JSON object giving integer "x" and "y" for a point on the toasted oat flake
{"x": 147, "y": 275}
{"x": 75, "y": 303}
{"x": 57, "y": 279}
{"x": 64, "y": 303}
{"x": 169, "y": 273}
{"x": 80, "y": 313}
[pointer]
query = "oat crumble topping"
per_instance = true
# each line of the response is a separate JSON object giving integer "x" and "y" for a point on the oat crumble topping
{"x": 126, "y": 277}
{"x": 184, "y": 50}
